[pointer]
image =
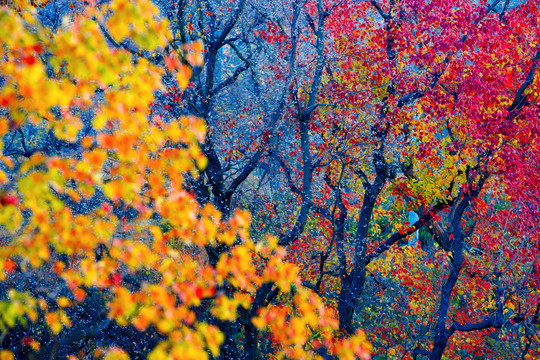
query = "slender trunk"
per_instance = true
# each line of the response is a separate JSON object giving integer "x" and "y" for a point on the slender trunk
{"x": 351, "y": 288}
{"x": 353, "y": 283}
{"x": 229, "y": 349}
{"x": 251, "y": 342}
{"x": 442, "y": 334}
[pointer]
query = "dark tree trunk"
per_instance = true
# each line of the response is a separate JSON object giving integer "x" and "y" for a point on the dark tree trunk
{"x": 353, "y": 283}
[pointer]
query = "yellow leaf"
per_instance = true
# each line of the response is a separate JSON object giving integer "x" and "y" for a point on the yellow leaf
{"x": 6, "y": 355}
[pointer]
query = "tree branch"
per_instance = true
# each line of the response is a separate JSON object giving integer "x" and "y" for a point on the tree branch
{"x": 420, "y": 223}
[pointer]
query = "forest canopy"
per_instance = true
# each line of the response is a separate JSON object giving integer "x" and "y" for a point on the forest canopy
{"x": 269, "y": 179}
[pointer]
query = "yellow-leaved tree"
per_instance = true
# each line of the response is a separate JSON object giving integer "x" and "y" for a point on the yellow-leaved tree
{"x": 103, "y": 252}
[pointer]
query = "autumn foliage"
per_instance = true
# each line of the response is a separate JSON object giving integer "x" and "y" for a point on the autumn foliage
{"x": 139, "y": 222}
{"x": 247, "y": 180}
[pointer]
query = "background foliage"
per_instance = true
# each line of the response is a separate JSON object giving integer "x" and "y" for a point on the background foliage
{"x": 269, "y": 179}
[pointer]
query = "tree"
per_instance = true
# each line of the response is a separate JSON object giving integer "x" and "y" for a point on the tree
{"x": 102, "y": 244}
{"x": 419, "y": 113}
{"x": 389, "y": 146}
